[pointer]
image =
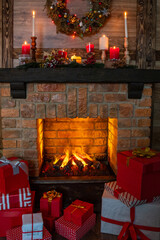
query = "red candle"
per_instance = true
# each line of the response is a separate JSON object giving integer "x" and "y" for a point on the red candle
{"x": 114, "y": 53}
{"x": 90, "y": 48}
{"x": 62, "y": 53}
{"x": 25, "y": 48}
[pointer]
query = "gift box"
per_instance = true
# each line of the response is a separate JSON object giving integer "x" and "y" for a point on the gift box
{"x": 139, "y": 176}
{"x": 13, "y": 174}
{"x": 49, "y": 223}
{"x": 78, "y": 212}
{"x": 71, "y": 231}
{"x": 51, "y": 204}
{"x": 18, "y": 199}
{"x": 13, "y": 217}
{"x": 32, "y": 226}
{"x": 16, "y": 234}
{"x": 118, "y": 219}
{"x": 125, "y": 197}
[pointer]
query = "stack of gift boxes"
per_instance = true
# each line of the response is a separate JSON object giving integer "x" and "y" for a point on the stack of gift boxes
{"x": 131, "y": 205}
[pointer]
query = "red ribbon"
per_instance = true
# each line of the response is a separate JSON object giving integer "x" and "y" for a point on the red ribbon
{"x": 32, "y": 229}
{"x": 130, "y": 229}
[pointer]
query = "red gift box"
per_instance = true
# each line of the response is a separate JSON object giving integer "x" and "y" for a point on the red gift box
{"x": 18, "y": 199}
{"x": 49, "y": 223}
{"x": 13, "y": 217}
{"x": 78, "y": 212}
{"x": 51, "y": 208}
{"x": 139, "y": 176}
{"x": 13, "y": 174}
{"x": 16, "y": 234}
{"x": 73, "y": 232}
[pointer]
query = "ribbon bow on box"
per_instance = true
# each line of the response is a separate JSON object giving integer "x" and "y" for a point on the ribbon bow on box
{"x": 50, "y": 195}
{"x": 15, "y": 164}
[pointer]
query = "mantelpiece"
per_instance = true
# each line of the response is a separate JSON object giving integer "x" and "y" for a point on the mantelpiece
{"x": 18, "y": 78}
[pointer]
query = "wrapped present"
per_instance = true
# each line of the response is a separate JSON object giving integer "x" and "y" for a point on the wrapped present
{"x": 139, "y": 175}
{"x": 18, "y": 199}
{"x": 51, "y": 204}
{"x": 13, "y": 217}
{"x": 16, "y": 234}
{"x": 13, "y": 174}
{"x": 78, "y": 212}
{"x": 142, "y": 221}
{"x": 125, "y": 197}
{"x": 32, "y": 226}
{"x": 71, "y": 231}
{"x": 49, "y": 223}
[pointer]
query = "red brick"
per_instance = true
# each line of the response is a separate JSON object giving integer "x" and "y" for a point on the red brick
{"x": 145, "y": 102}
{"x": 82, "y": 125}
{"x": 96, "y": 87}
{"x": 82, "y": 102}
{"x": 101, "y": 125}
{"x": 10, "y": 113}
{"x": 51, "y": 87}
{"x": 141, "y": 132}
{"x": 56, "y": 142}
{"x": 115, "y": 97}
{"x": 29, "y": 144}
{"x": 27, "y": 110}
{"x": 124, "y": 123}
{"x": 51, "y": 149}
{"x": 30, "y": 87}
{"x": 29, "y": 133}
{"x": 81, "y": 142}
{"x": 29, "y": 153}
{"x": 145, "y": 142}
{"x": 60, "y": 150}
{"x": 18, "y": 144}
{"x": 103, "y": 111}
{"x": 72, "y": 102}
{"x": 96, "y": 97}
{"x": 56, "y": 125}
{"x": 11, "y": 133}
{"x": 144, "y": 122}
{"x": 19, "y": 123}
{"x": 50, "y": 134}
{"x": 147, "y": 92}
{"x": 113, "y": 110}
{"x": 124, "y": 133}
{"x": 38, "y": 97}
{"x": 8, "y": 103}
{"x": 13, "y": 152}
{"x": 125, "y": 110}
{"x": 143, "y": 112}
{"x": 96, "y": 150}
{"x": 124, "y": 88}
{"x": 29, "y": 124}
{"x": 100, "y": 141}
{"x": 9, "y": 143}
{"x": 123, "y": 144}
{"x": 58, "y": 97}
{"x": 93, "y": 110}
{"x": 61, "y": 111}
{"x": 5, "y": 92}
{"x": 51, "y": 111}
{"x": 133, "y": 143}
{"x": 41, "y": 111}
{"x": 8, "y": 123}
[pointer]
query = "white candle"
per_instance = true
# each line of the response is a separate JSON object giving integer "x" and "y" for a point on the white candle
{"x": 103, "y": 43}
{"x": 125, "y": 23}
{"x": 33, "y": 23}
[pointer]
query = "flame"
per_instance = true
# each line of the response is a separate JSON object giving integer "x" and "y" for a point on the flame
{"x": 79, "y": 158}
{"x": 66, "y": 159}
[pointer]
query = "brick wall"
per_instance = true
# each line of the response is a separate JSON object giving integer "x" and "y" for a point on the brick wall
{"x": 19, "y": 117}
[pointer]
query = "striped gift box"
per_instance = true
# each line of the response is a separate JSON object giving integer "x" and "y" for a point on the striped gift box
{"x": 71, "y": 231}
{"x": 126, "y": 197}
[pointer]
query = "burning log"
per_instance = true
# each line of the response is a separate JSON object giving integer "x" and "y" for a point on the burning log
{"x": 68, "y": 166}
{"x": 96, "y": 164}
{"x": 58, "y": 164}
{"x": 79, "y": 164}
{"x": 87, "y": 161}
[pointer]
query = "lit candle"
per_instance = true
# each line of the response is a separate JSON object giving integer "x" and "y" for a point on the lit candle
{"x": 125, "y": 24}
{"x": 25, "y": 48}
{"x": 103, "y": 43}
{"x": 114, "y": 53}
{"x": 62, "y": 53}
{"x": 78, "y": 59}
{"x": 33, "y": 23}
{"x": 90, "y": 48}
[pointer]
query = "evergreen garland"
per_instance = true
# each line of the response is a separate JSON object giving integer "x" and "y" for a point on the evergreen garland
{"x": 71, "y": 24}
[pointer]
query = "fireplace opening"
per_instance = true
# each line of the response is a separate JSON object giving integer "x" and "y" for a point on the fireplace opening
{"x": 77, "y": 147}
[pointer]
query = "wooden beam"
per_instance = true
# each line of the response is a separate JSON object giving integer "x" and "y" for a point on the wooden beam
{"x": 146, "y": 33}
{"x": 7, "y": 33}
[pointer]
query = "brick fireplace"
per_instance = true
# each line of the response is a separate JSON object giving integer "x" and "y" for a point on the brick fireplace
{"x": 20, "y": 117}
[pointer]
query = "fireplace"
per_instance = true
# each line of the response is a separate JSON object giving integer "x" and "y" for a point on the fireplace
{"x": 76, "y": 147}
{"x": 125, "y": 121}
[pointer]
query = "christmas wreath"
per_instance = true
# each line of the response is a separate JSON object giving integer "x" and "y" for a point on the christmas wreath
{"x": 71, "y": 24}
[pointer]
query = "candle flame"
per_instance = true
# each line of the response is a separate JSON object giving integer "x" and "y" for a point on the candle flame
{"x": 114, "y": 47}
{"x": 125, "y": 14}
{"x": 33, "y": 13}
{"x": 104, "y": 35}
{"x": 25, "y": 43}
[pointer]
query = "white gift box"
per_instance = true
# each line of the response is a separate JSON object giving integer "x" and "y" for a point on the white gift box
{"x": 146, "y": 215}
{"x": 32, "y": 226}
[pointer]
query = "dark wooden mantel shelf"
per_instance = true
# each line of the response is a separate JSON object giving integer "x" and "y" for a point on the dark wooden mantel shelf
{"x": 135, "y": 78}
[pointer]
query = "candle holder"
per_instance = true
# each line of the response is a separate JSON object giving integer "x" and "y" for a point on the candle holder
{"x": 33, "y": 48}
{"x": 126, "y": 53}
{"x": 103, "y": 56}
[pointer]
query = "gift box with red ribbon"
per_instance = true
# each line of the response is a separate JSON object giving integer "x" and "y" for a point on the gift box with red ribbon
{"x": 49, "y": 223}
{"x": 13, "y": 217}
{"x": 18, "y": 199}
{"x": 142, "y": 221}
{"x": 78, "y": 212}
{"x": 51, "y": 204}
{"x": 125, "y": 197}
{"x": 71, "y": 231}
{"x": 16, "y": 234}
{"x": 139, "y": 175}
{"x": 13, "y": 174}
